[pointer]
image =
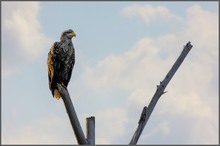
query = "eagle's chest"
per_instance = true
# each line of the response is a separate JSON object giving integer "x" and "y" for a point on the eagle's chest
{"x": 66, "y": 53}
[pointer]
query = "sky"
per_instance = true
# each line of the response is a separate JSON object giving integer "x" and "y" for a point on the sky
{"x": 123, "y": 50}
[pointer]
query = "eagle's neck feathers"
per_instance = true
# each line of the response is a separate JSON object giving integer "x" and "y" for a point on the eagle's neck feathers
{"x": 66, "y": 42}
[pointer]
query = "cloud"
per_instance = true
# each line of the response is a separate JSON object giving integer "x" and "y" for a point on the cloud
{"x": 119, "y": 71}
{"x": 44, "y": 130}
{"x": 163, "y": 127}
{"x": 23, "y": 39}
{"x": 107, "y": 130}
{"x": 191, "y": 92}
{"x": 149, "y": 13}
{"x": 204, "y": 134}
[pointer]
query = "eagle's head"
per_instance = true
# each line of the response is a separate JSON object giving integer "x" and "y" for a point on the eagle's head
{"x": 68, "y": 34}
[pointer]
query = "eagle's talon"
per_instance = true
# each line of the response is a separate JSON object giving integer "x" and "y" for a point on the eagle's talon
{"x": 63, "y": 85}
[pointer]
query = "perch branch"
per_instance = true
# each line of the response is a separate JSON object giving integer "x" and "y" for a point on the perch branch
{"x": 160, "y": 90}
{"x": 72, "y": 115}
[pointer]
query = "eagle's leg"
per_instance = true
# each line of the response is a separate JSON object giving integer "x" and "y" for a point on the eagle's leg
{"x": 63, "y": 85}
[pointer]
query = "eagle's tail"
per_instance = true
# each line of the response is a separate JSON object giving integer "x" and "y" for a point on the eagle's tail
{"x": 56, "y": 94}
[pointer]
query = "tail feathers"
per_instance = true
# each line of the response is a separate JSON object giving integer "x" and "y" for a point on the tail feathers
{"x": 57, "y": 94}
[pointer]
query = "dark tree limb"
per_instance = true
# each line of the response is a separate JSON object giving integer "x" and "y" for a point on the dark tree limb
{"x": 160, "y": 90}
{"x": 72, "y": 115}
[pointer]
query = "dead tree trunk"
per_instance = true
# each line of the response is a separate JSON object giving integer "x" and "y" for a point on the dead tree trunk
{"x": 146, "y": 112}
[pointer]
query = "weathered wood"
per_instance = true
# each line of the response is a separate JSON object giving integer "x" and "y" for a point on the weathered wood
{"x": 72, "y": 115}
{"x": 160, "y": 90}
{"x": 90, "y": 125}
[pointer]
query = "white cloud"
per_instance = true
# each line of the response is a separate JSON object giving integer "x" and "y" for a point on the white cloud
{"x": 149, "y": 13}
{"x": 140, "y": 69}
{"x": 107, "y": 130}
{"x": 139, "y": 97}
{"x": 44, "y": 130}
{"x": 120, "y": 71}
{"x": 22, "y": 38}
{"x": 162, "y": 127}
{"x": 202, "y": 27}
{"x": 204, "y": 134}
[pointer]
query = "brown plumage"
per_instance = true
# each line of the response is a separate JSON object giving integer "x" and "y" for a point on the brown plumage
{"x": 61, "y": 60}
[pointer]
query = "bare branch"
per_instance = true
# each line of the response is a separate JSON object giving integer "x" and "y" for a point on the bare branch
{"x": 72, "y": 115}
{"x": 160, "y": 90}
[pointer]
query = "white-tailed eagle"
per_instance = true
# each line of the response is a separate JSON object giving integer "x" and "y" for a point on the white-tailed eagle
{"x": 61, "y": 60}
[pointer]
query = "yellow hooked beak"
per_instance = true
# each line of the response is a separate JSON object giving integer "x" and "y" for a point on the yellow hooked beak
{"x": 73, "y": 34}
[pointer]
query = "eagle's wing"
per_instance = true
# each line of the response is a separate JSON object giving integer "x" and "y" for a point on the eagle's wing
{"x": 53, "y": 68}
